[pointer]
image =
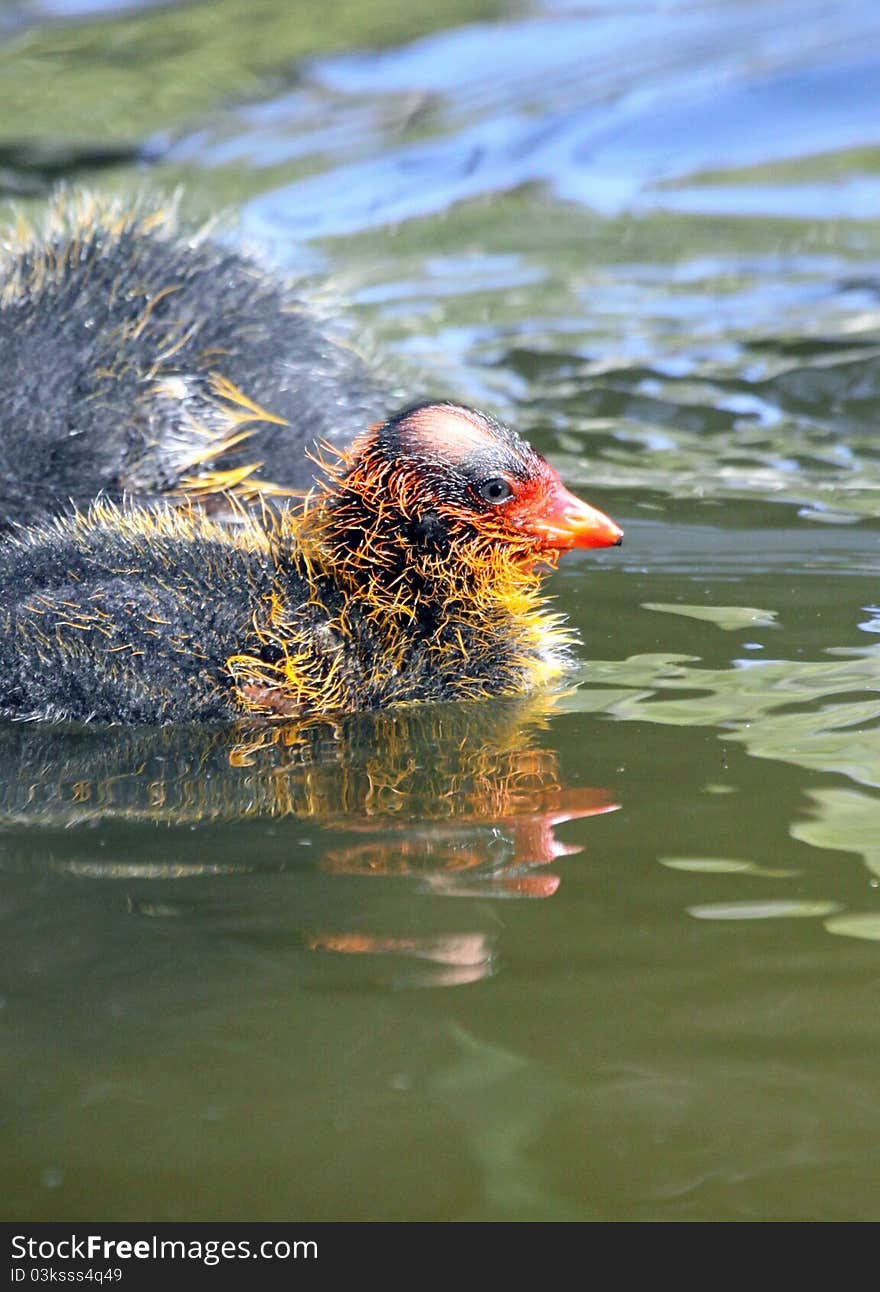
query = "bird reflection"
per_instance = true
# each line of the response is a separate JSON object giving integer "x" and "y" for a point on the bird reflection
{"x": 449, "y": 800}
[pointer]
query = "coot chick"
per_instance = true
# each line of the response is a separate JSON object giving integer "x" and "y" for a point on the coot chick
{"x": 140, "y": 362}
{"x": 411, "y": 574}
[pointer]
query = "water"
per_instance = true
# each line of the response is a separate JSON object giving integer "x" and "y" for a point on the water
{"x": 606, "y": 954}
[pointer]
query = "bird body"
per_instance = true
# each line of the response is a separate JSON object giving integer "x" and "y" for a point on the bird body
{"x": 143, "y": 363}
{"x": 133, "y": 616}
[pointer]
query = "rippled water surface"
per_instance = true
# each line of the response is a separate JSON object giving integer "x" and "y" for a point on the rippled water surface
{"x": 607, "y": 954}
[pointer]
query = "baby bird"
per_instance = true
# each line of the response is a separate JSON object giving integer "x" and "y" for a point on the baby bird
{"x": 141, "y": 362}
{"x": 411, "y": 573}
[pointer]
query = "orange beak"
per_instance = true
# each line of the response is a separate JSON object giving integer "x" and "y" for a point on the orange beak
{"x": 562, "y": 521}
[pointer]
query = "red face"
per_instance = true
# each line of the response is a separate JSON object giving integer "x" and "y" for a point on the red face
{"x": 542, "y": 506}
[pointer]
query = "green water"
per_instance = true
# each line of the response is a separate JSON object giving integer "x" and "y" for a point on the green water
{"x": 606, "y": 954}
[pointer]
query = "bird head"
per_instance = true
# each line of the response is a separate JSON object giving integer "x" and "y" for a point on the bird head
{"x": 441, "y": 475}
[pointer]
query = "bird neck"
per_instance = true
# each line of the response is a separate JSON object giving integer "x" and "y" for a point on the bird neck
{"x": 406, "y": 560}
{"x": 377, "y": 604}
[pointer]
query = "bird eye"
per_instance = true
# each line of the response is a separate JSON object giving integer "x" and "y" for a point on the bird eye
{"x": 495, "y": 491}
